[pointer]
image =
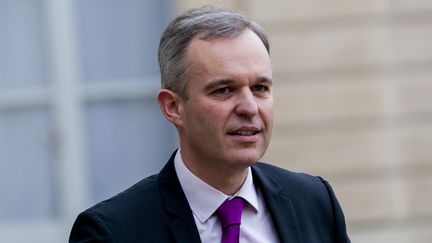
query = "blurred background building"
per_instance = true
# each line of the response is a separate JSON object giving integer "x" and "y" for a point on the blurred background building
{"x": 79, "y": 120}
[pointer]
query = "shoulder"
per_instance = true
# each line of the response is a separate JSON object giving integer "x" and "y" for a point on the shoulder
{"x": 299, "y": 187}
{"x": 285, "y": 177}
{"x": 143, "y": 195}
{"x": 311, "y": 198}
{"x": 123, "y": 215}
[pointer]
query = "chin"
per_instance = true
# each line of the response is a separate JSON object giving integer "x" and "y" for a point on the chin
{"x": 246, "y": 158}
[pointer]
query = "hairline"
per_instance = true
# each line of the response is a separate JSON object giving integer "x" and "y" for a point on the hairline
{"x": 181, "y": 33}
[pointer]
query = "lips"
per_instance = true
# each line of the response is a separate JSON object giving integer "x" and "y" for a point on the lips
{"x": 245, "y": 131}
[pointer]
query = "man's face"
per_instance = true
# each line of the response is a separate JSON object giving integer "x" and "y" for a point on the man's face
{"x": 227, "y": 118}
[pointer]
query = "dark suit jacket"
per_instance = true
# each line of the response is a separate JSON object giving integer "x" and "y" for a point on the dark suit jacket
{"x": 155, "y": 210}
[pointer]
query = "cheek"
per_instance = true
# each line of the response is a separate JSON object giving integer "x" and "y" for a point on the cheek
{"x": 267, "y": 112}
{"x": 209, "y": 116}
{"x": 217, "y": 110}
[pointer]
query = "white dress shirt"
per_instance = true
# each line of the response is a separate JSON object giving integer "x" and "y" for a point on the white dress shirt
{"x": 256, "y": 224}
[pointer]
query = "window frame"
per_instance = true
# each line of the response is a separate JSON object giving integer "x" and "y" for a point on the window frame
{"x": 66, "y": 97}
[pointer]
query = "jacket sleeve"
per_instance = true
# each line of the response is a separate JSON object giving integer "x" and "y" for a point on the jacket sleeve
{"x": 340, "y": 231}
{"x": 89, "y": 227}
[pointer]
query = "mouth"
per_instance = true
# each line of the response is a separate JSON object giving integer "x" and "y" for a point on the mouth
{"x": 245, "y": 131}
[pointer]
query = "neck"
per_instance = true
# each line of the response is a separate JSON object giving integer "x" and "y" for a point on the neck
{"x": 226, "y": 180}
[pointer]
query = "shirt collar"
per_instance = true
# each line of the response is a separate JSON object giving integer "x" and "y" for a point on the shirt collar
{"x": 204, "y": 199}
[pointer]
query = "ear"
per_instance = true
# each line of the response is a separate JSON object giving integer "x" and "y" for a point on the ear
{"x": 170, "y": 104}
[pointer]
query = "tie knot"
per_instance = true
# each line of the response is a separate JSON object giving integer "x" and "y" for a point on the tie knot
{"x": 230, "y": 212}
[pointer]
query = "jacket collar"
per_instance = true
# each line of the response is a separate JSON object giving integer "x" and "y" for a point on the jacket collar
{"x": 280, "y": 207}
{"x": 182, "y": 224}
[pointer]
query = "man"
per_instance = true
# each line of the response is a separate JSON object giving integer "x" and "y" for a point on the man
{"x": 217, "y": 91}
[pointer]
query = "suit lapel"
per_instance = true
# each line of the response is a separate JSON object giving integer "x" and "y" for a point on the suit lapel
{"x": 280, "y": 207}
{"x": 182, "y": 224}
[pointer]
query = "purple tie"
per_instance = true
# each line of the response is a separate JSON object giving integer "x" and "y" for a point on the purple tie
{"x": 229, "y": 213}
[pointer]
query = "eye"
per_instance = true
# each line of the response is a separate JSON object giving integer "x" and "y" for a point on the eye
{"x": 260, "y": 88}
{"x": 222, "y": 91}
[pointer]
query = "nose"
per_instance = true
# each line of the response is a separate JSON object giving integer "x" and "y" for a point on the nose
{"x": 246, "y": 104}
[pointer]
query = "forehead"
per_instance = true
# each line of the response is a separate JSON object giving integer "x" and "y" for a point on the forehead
{"x": 244, "y": 54}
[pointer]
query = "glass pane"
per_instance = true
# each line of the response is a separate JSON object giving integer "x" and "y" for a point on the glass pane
{"x": 26, "y": 165}
{"x": 128, "y": 140}
{"x": 119, "y": 39}
{"x": 22, "y": 61}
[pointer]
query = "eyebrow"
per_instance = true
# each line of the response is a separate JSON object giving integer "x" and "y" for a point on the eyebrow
{"x": 269, "y": 81}
{"x": 218, "y": 82}
{"x": 221, "y": 82}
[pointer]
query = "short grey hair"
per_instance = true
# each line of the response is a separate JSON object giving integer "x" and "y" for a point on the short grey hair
{"x": 207, "y": 22}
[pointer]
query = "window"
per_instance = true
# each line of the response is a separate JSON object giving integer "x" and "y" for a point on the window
{"x": 78, "y": 116}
